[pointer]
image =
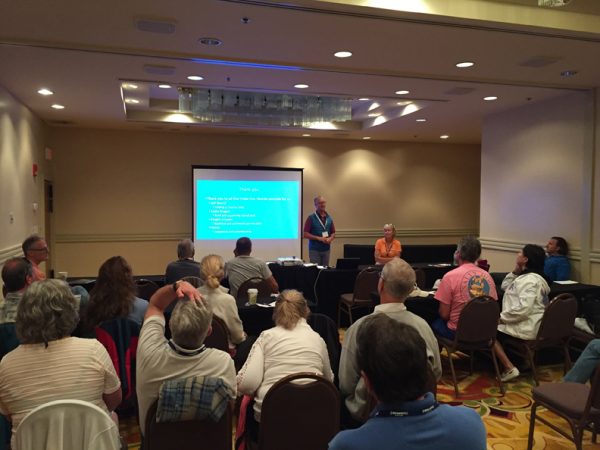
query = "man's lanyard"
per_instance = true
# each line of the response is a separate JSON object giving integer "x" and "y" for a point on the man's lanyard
{"x": 184, "y": 352}
{"x": 321, "y": 222}
{"x": 416, "y": 411}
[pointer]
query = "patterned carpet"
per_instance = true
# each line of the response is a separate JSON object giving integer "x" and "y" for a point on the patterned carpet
{"x": 506, "y": 417}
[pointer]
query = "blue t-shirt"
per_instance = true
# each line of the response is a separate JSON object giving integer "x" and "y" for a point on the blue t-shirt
{"x": 557, "y": 268}
{"x": 442, "y": 428}
{"x": 317, "y": 227}
{"x": 138, "y": 311}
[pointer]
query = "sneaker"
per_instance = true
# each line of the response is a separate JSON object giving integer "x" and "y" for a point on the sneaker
{"x": 510, "y": 374}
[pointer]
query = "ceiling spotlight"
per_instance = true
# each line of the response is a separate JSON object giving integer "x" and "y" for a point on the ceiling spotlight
{"x": 421, "y": 120}
{"x": 301, "y": 86}
{"x": 366, "y": 138}
{"x": 342, "y": 54}
{"x": 491, "y": 98}
{"x": 210, "y": 41}
{"x": 402, "y": 92}
{"x": 306, "y": 135}
{"x": 132, "y": 101}
{"x": 568, "y": 73}
{"x": 45, "y": 91}
{"x": 364, "y": 99}
{"x": 164, "y": 86}
{"x": 129, "y": 86}
{"x": 374, "y": 114}
{"x": 195, "y": 78}
{"x": 465, "y": 64}
{"x": 57, "y": 106}
{"x": 444, "y": 136}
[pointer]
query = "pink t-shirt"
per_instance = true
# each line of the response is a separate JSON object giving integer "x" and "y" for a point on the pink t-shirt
{"x": 461, "y": 285}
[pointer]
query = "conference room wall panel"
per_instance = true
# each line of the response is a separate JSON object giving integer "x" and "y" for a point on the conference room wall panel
{"x": 536, "y": 180}
{"x": 129, "y": 192}
{"x": 22, "y": 143}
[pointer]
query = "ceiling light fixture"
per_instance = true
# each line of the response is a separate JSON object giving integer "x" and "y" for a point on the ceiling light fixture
{"x": 301, "y": 86}
{"x": 210, "y": 41}
{"x": 164, "y": 86}
{"x": 402, "y": 92}
{"x": 568, "y": 73}
{"x": 374, "y": 114}
{"x": 364, "y": 99}
{"x": 444, "y": 136}
{"x": 491, "y": 98}
{"x": 129, "y": 86}
{"x": 57, "y": 106}
{"x": 132, "y": 101}
{"x": 343, "y": 54}
{"x": 366, "y": 138}
{"x": 44, "y": 91}
{"x": 195, "y": 78}
{"x": 306, "y": 135}
{"x": 421, "y": 120}
{"x": 465, "y": 64}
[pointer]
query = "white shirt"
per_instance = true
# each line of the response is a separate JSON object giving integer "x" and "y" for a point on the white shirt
{"x": 279, "y": 352}
{"x": 225, "y": 308}
{"x": 157, "y": 362}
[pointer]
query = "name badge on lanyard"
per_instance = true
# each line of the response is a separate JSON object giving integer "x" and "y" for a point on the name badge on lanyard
{"x": 323, "y": 224}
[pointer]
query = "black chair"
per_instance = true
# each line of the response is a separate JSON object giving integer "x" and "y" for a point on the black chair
{"x": 577, "y": 403}
{"x": 476, "y": 330}
{"x": 194, "y": 281}
{"x": 297, "y": 416}
{"x": 262, "y": 285}
{"x": 366, "y": 282}
{"x": 219, "y": 337}
{"x": 146, "y": 288}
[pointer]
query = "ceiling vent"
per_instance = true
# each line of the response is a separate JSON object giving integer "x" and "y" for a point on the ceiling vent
{"x": 159, "y": 70}
{"x": 459, "y": 91}
{"x": 155, "y": 25}
{"x": 539, "y": 61}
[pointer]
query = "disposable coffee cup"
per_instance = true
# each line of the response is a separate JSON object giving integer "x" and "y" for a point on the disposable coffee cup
{"x": 63, "y": 275}
{"x": 252, "y": 294}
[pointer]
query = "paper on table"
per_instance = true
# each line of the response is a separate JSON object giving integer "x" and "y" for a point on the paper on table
{"x": 266, "y": 305}
{"x": 566, "y": 282}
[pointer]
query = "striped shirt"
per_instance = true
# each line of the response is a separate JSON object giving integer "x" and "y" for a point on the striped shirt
{"x": 70, "y": 368}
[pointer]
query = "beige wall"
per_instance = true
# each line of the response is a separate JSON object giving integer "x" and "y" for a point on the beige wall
{"x": 129, "y": 192}
{"x": 22, "y": 138}
{"x": 536, "y": 180}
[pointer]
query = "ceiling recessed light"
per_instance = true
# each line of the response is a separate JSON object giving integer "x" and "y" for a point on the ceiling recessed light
{"x": 444, "y": 136}
{"x": 343, "y": 54}
{"x": 301, "y": 86}
{"x": 45, "y": 91}
{"x": 568, "y": 73}
{"x": 364, "y": 99}
{"x": 402, "y": 92}
{"x": 210, "y": 41}
{"x": 306, "y": 135}
{"x": 490, "y": 98}
{"x": 195, "y": 78}
{"x": 132, "y": 101}
{"x": 57, "y": 106}
{"x": 366, "y": 138}
{"x": 164, "y": 86}
{"x": 129, "y": 86}
{"x": 465, "y": 64}
{"x": 421, "y": 120}
{"x": 374, "y": 114}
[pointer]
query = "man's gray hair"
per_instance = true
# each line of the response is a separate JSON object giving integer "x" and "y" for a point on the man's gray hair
{"x": 190, "y": 322}
{"x": 469, "y": 249}
{"x": 47, "y": 312}
{"x": 399, "y": 278}
{"x": 185, "y": 249}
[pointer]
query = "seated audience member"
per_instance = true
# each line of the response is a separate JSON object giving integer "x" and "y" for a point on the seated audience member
{"x": 17, "y": 275}
{"x": 461, "y": 285}
{"x": 223, "y": 305}
{"x": 525, "y": 298}
{"x": 396, "y": 282}
{"x": 113, "y": 295}
{"x": 290, "y": 347}
{"x": 388, "y": 246}
{"x": 392, "y": 360}
{"x": 243, "y": 267}
{"x": 185, "y": 266}
{"x": 556, "y": 266}
{"x": 184, "y": 355}
{"x": 35, "y": 249}
{"x": 584, "y": 367}
{"x": 49, "y": 364}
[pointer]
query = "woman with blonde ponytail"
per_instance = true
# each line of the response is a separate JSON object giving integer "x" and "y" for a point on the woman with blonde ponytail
{"x": 223, "y": 304}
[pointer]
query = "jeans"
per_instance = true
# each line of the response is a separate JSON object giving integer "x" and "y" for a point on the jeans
{"x": 586, "y": 364}
{"x": 320, "y": 258}
{"x": 440, "y": 326}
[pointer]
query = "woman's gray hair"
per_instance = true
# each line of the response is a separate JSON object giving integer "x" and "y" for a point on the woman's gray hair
{"x": 47, "y": 312}
{"x": 190, "y": 322}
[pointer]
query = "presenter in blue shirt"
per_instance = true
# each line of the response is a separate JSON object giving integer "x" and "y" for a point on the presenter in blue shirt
{"x": 320, "y": 231}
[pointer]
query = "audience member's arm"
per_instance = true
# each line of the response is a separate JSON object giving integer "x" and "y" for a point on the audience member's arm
{"x": 444, "y": 311}
{"x": 349, "y": 373}
{"x": 273, "y": 282}
{"x": 112, "y": 400}
{"x": 327, "y": 372}
{"x": 167, "y": 294}
{"x": 234, "y": 323}
{"x": 250, "y": 376}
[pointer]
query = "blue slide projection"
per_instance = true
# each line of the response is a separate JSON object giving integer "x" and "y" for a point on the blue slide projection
{"x": 229, "y": 209}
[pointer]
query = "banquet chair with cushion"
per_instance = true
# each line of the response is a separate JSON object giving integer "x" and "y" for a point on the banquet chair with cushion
{"x": 262, "y": 285}
{"x": 555, "y": 330}
{"x": 299, "y": 416}
{"x": 67, "y": 425}
{"x": 578, "y": 404}
{"x": 476, "y": 330}
{"x": 194, "y": 281}
{"x": 219, "y": 336}
{"x": 146, "y": 288}
{"x": 366, "y": 283}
